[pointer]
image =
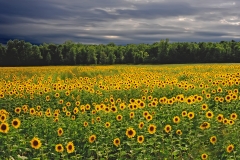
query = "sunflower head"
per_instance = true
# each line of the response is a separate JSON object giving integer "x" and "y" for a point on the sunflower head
{"x": 204, "y": 106}
{"x": 219, "y": 117}
{"x": 230, "y": 148}
{"x": 16, "y": 123}
{"x": 152, "y": 128}
{"x": 60, "y": 131}
{"x": 140, "y": 139}
{"x": 130, "y": 133}
{"x": 4, "y": 127}
{"x": 119, "y": 117}
{"x": 70, "y": 147}
{"x": 92, "y": 138}
{"x": 167, "y": 128}
{"x": 209, "y": 114}
{"x": 204, "y": 156}
{"x": 59, "y": 148}
{"x": 116, "y": 142}
{"x": 213, "y": 139}
{"x": 107, "y": 124}
{"x": 176, "y": 119}
{"x": 178, "y": 132}
{"x": 233, "y": 116}
{"x": 141, "y": 124}
{"x": 35, "y": 143}
{"x": 190, "y": 115}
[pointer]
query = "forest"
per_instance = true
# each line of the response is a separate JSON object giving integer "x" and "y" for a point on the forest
{"x": 20, "y": 53}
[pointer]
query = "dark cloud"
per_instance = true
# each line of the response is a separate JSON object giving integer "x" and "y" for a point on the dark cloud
{"x": 122, "y": 22}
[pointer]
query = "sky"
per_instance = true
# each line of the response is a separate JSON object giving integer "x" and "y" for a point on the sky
{"x": 119, "y": 21}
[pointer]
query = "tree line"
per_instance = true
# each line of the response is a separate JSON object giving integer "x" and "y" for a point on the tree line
{"x": 20, "y": 53}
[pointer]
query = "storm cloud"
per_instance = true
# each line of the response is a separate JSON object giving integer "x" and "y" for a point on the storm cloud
{"x": 121, "y": 22}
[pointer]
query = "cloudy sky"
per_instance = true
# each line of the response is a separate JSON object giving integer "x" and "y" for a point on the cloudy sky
{"x": 119, "y": 21}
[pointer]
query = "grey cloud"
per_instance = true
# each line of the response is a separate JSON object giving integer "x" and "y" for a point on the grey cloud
{"x": 129, "y": 21}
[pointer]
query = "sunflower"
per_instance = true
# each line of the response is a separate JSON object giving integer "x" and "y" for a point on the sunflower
{"x": 141, "y": 124}
{"x": 145, "y": 113}
{"x": 140, "y": 139}
{"x": 204, "y": 156}
{"x": 152, "y": 128}
{"x": 191, "y": 115}
{"x": 47, "y": 98}
{"x": 225, "y": 121}
{"x": 233, "y": 116}
{"x": 184, "y": 113}
{"x": 119, "y": 117}
{"x": 4, "y": 127}
{"x": 35, "y": 143}
{"x": 59, "y": 148}
{"x": 107, "y": 124}
{"x": 130, "y": 132}
{"x": 167, "y": 128}
{"x": 68, "y": 113}
{"x": 57, "y": 95}
{"x": 178, "y": 132}
{"x": 75, "y": 110}
{"x": 230, "y": 148}
{"x": 92, "y": 138}
{"x": 60, "y": 101}
{"x": 64, "y": 109}
{"x": 228, "y": 98}
{"x": 68, "y": 104}
{"x": 132, "y": 115}
{"x": 204, "y": 106}
{"x": 209, "y": 114}
{"x": 98, "y": 119}
{"x": 176, "y": 119}
{"x": 32, "y": 111}
{"x": 77, "y": 103}
{"x": 141, "y": 105}
{"x": 17, "y": 110}
{"x": 16, "y": 123}
{"x": 230, "y": 122}
{"x": 73, "y": 117}
{"x": 114, "y": 109}
{"x": 149, "y": 117}
{"x": 3, "y": 117}
{"x": 219, "y": 117}
{"x": 204, "y": 125}
{"x": 60, "y": 131}
{"x": 70, "y": 147}
{"x": 85, "y": 124}
{"x": 213, "y": 139}
{"x": 116, "y": 142}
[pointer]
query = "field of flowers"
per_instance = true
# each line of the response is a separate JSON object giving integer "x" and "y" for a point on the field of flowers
{"x": 120, "y": 112}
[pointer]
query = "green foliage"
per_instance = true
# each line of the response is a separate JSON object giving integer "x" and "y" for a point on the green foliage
{"x": 21, "y": 53}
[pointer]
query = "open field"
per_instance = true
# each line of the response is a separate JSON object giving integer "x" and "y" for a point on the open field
{"x": 120, "y": 112}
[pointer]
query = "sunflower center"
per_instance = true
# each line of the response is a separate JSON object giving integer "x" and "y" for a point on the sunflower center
{"x": 70, "y": 147}
{"x": 35, "y": 143}
{"x": 15, "y": 123}
{"x": 3, "y": 127}
{"x": 130, "y": 132}
{"x": 59, "y": 148}
{"x": 151, "y": 128}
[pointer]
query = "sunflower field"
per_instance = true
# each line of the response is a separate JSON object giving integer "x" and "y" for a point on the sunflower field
{"x": 120, "y": 112}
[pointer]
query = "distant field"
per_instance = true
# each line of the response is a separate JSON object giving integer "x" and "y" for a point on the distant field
{"x": 120, "y": 112}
